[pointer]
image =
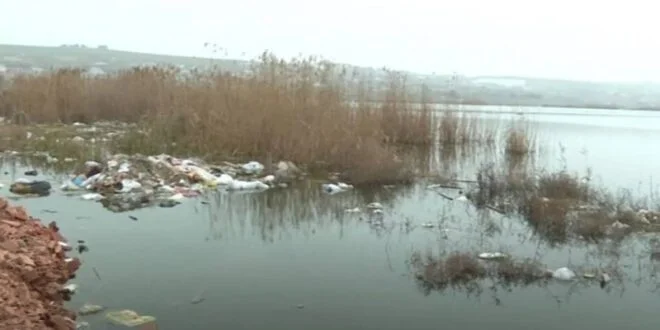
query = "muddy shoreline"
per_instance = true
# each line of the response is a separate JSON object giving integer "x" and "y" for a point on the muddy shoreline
{"x": 33, "y": 271}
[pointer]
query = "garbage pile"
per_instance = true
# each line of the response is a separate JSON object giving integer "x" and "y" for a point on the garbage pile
{"x": 126, "y": 183}
{"x": 33, "y": 271}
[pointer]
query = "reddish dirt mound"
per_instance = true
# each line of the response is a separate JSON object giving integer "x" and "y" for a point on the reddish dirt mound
{"x": 32, "y": 272}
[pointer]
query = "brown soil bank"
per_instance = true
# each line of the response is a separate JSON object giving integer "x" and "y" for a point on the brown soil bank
{"x": 33, "y": 271}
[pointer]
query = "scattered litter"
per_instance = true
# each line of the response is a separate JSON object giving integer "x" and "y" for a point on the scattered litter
{"x": 300, "y": 306}
{"x": 169, "y": 203}
{"x": 268, "y": 179}
{"x": 604, "y": 279}
{"x": 30, "y": 187}
{"x": 82, "y": 248}
{"x": 247, "y": 185}
{"x": 70, "y": 288}
{"x": 353, "y": 210}
{"x": 461, "y": 197}
{"x": 88, "y": 309}
{"x": 199, "y": 298}
{"x": 133, "y": 218}
{"x": 252, "y": 167}
{"x": 65, "y": 246}
{"x": 563, "y": 274}
{"x": 131, "y": 319}
{"x": 92, "y": 197}
{"x": 176, "y": 197}
{"x": 82, "y": 325}
{"x": 375, "y": 206}
{"x": 492, "y": 255}
{"x": 332, "y": 188}
{"x": 31, "y": 173}
{"x": 428, "y": 225}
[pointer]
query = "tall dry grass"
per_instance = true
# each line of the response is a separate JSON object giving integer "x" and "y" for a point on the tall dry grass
{"x": 305, "y": 110}
{"x": 297, "y": 110}
{"x": 520, "y": 139}
{"x": 456, "y": 128}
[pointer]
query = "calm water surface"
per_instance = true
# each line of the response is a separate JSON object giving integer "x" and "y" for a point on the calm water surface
{"x": 257, "y": 258}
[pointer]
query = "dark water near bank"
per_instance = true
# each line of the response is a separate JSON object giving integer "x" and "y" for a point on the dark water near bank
{"x": 257, "y": 258}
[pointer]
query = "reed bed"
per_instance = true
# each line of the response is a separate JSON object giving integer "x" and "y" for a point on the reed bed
{"x": 306, "y": 110}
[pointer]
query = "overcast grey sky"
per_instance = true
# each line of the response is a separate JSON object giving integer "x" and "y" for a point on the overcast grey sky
{"x": 578, "y": 39}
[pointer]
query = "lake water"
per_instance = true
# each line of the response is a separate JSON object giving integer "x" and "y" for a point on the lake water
{"x": 292, "y": 259}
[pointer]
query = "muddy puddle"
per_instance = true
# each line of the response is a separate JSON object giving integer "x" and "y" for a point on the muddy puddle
{"x": 297, "y": 258}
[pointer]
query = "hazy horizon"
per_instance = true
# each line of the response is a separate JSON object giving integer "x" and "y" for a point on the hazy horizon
{"x": 577, "y": 40}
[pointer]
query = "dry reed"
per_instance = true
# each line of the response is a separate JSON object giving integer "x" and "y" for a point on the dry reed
{"x": 295, "y": 110}
{"x": 519, "y": 140}
{"x": 305, "y": 110}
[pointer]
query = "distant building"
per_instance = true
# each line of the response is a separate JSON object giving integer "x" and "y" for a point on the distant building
{"x": 95, "y": 71}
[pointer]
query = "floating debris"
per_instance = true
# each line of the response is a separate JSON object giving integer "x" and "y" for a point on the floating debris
{"x": 332, "y": 188}
{"x": 131, "y": 319}
{"x": 492, "y": 255}
{"x": 70, "y": 288}
{"x": 199, "y": 298}
{"x": 563, "y": 274}
{"x": 604, "y": 279}
{"x": 168, "y": 203}
{"x": 88, "y": 309}
{"x": 96, "y": 273}
{"x": 375, "y": 206}
{"x": 31, "y": 173}
{"x": 82, "y": 325}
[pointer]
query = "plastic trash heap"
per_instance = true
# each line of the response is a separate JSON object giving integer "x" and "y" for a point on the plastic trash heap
{"x": 126, "y": 183}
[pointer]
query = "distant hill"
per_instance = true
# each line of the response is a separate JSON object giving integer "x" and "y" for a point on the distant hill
{"x": 19, "y": 56}
{"x": 504, "y": 90}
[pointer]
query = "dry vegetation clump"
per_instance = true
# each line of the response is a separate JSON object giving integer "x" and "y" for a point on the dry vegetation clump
{"x": 560, "y": 206}
{"x": 459, "y": 268}
{"x": 298, "y": 110}
{"x": 593, "y": 226}
{"x": 549, "y": 202}
{"x": 519, "y": 140}
{"x": 549, "y": 217}
{"x": 463, "y": 269}
{"x": 504, "y": 191}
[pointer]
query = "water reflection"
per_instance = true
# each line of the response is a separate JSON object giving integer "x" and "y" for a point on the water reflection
{"x": 302, "y": 207}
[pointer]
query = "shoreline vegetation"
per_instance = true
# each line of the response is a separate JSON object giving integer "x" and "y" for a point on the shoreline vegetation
{"x": 300, "y": 111}
{"x": 297, "y": 110}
